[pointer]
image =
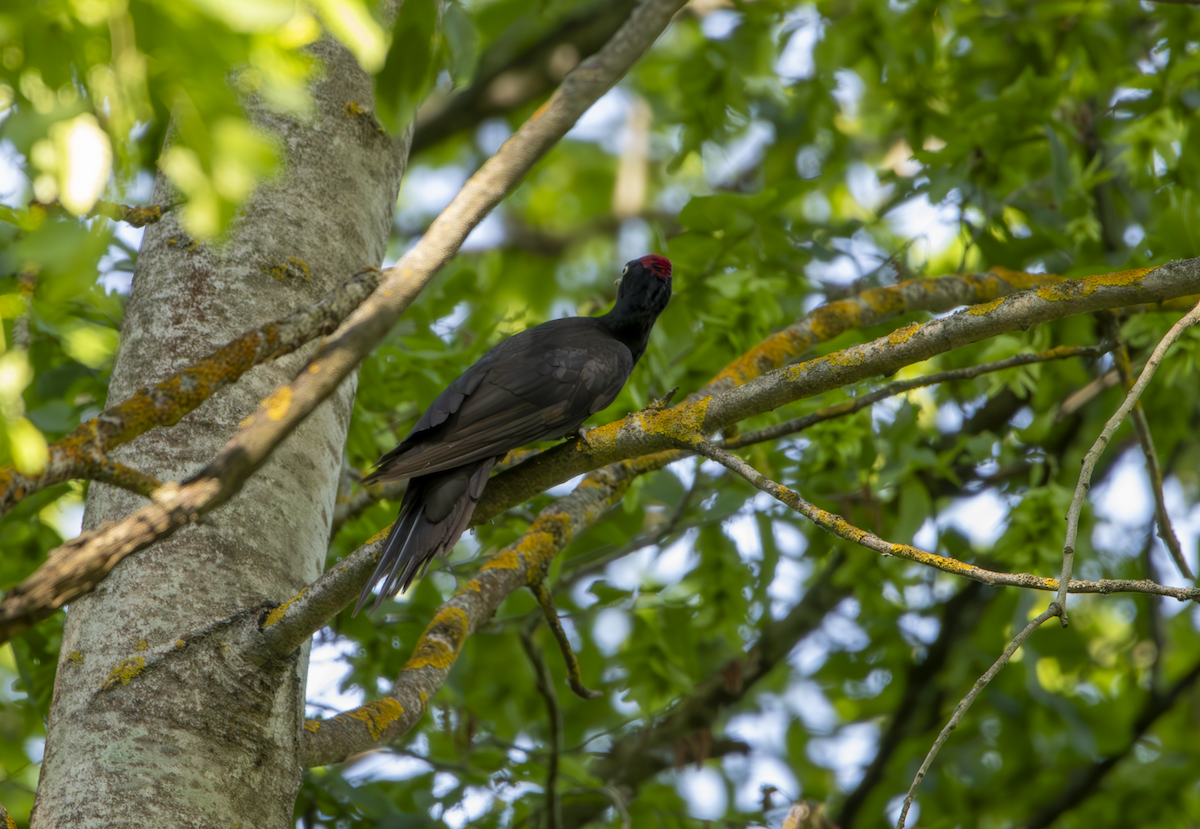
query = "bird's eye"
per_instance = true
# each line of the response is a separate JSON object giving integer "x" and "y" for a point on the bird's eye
{"x": 624, "y": 270}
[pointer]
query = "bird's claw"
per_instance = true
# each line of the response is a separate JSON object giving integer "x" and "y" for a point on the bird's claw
{"x": 657, "y": 404}
{"x": 581, "y": 434}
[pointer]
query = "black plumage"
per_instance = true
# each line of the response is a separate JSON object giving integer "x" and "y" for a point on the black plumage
{"x": 540, "y": 384}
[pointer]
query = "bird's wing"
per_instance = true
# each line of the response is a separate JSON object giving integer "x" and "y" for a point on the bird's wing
{"x": 540, "y": 384}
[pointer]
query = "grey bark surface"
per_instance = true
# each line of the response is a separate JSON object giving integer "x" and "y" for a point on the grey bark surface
{"x": 160, "y": 717}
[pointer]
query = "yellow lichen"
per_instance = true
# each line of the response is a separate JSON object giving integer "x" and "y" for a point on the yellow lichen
{"x": 985, "y": 308}
{"x": 187, "y": 244}
{"x": 354, "y": 110}
{"x": 141, "y": 645}
{"x": 1123, "y": 278}
{"x": 949, "y": 565}
{"x": 685, "y": 423}
{"x": 1022, "y": 281}
{"x": 845, "y": 358}
{"x": 601, "y": 439}
{"x": 278, "y": 403}
{"x": 768, "y": 355}
{"x": 903, "y": 335}
{"x": 439, "y": 645}
{"x": 504, "y": 560}
{"x": 381, "y": 535}
{"x": 473, "y": 586}
{"x": 312, "y": 725}
{"x": 884, "y": 301}
{"x": 545, "y": 537}
{"x": 377, "y": 715}
{"x": 1077, "y": 289}
{"x": 75, "y": 658}
{"x": 291, "y": 268}
{"x": 124, "y": 671}
{"x": 985, "y": 286}
{"x": 300, "y": 266}
{"x": 180, "y": 644}
{"x": 277, "y": 614}
{"x": 431, "y": 653}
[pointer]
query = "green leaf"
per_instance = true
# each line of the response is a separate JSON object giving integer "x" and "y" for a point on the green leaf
{"x": 408, "y": 71}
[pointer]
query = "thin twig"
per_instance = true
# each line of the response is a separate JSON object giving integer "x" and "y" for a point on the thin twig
{"x": 545, "y": 686}
{"x": 133, "y": 215}
{"x": 1155, "y": 621}
{"x": 1054, "y": 610}
{"x": 1078, "y": 399}
{"x": 574, "y": 677}
{"x": 125, "y": 477}
{"x": 1093, "y": 455}
{"x": 1166, "y": 531}
{"x": 27, "y": 279}
{"x": 798, "y": 424}
{"x": 1142, "y": 427}
{"x": 921, "y": 703}
{"x": 619, "y": 804}
{"x": 844, "y": 529}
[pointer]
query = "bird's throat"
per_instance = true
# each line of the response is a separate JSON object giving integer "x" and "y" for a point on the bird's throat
{"x": 630, "y": 328}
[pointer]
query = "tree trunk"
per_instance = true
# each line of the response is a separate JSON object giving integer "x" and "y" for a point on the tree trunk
{"x": 161, "y": 715}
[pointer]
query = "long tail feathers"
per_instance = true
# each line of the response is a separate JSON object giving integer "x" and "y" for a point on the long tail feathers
{"x": 433, "y": 515}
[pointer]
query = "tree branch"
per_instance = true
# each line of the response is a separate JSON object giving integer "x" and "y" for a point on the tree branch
{"x": 317, "y": 603}
{"x": 363, "y": 500}
{"x": 378, "y": 723}
{"x": 960, "y": 711}
{"x": 712, "y": 409}
{"x": 511, "y": 76}
{"x": 80, "y": 454}
{"x": 844, "y": 529}
{"x": 77, "y": 566}
{"x": 922, "y": 698}
{"x": 92, "y": 555}
{"x": 861, "y": 402}
{"x": 1093, "y": 454}
{"x": 545, "y": 686}
{"x": 574, "y": 676}
{"x": 134, "y": 216}
{"x": 384, "y": 720}
{"x": 1142, "y": 427}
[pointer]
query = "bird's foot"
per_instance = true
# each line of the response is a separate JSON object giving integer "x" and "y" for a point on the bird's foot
{"x": 581, "y": 434}
{"x": 657, "y": 404}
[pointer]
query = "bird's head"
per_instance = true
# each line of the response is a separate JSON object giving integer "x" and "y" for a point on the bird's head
{"x": 645, "y": 284}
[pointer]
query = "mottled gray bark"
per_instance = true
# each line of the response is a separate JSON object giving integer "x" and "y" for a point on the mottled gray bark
{"x": 159, "y": 716}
